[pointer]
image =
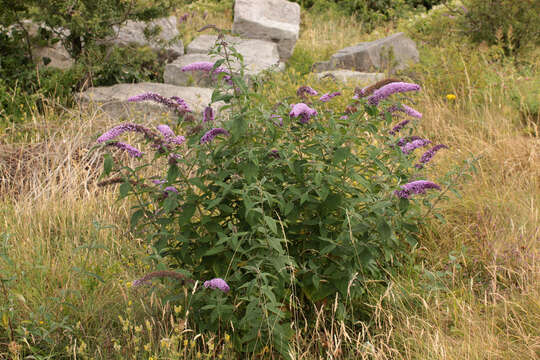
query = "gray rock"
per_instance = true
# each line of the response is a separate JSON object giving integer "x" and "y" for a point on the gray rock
{"x": 174, "y": 75}
{"x": 52, "y": 55}
{"x": 393, "y": 52}
{"x": 113, "y": 99}
{"x": 349, "y": 76}
{"x": 258, "y": 55}
{"x": 273, "y": 20}
{"x": 132, "y": 32}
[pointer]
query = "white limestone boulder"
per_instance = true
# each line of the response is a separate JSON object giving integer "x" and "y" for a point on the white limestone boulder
{"x": 350, "y": 77}
{"x": 272, "y": 20}
{"x": 394, "y": 52}
{"x": 113, "y": 99}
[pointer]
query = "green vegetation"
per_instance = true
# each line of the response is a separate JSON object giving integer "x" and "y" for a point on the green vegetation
{"x": 469, "y": 289}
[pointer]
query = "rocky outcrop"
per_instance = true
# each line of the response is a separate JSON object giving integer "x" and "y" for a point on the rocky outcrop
{"x": 272, "y": 20}
{"x": 113, "y": 99}
{"x": 351, "y": 77}
{"x": 258, "y": 56}
{"x": 394, "y": 52}
{"x": 167, "y": 39}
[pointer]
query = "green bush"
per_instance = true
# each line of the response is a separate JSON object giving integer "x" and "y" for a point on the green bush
{"x": 292, "y": 213}
{"x": 372, "y": 12}
{"x": 513, "y": 24}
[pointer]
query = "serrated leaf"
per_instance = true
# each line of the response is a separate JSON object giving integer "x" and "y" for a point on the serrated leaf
{"x": 271, "y": 224}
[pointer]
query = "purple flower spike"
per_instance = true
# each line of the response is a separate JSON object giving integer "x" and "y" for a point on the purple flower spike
{"x": 303, "y": 111}
{"x": 277, "y": 117}
{"x": 403, "y": 141}
{"x": 166, "y": 131}
{"x": 415, "y": 144}
{"x": 303, "y": 90}
{"x": 328, "y": 96}
{"x": 174, "y": 105}
{"x": 392, "y": 88}
{"x": 211, "y": 134}
{"x": 344, "y": 117}
{"x": 199, "y": 66}
{"x": 415, "y": 187}
{"x": 426, "y": 157}
{"x": 120, "y": 129}
{"x": 398, "y": 127}
{"x": 217, "y": 283}
{"x": 159, "y": 182}
{"x": 208, "y": 114}
{"x": 170, "y": 189}
{"x": 181, "y": 103}
{"x": 406, "y": 109}
{"x": 133, "y": 152}
{"x": 169, "y": 135}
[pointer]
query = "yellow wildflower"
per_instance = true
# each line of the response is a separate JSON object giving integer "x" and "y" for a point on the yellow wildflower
{"x": 450, "y": 97}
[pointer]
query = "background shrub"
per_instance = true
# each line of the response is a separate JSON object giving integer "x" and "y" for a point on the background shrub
{"x": 515, "y": 23}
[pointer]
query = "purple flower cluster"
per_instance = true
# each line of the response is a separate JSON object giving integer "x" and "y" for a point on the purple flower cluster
{"x": 170, "y": 189}
{"x": 398, "y": 127}
{"x": 217, "y": 283}
{"x": 303, "y": 111}
{"x": 415, "y": 187}
{"x": 133, "y": 152}
{"x": 405, "y": 140}
{"x": 406, "y": 109}
{"x": 392, "y": 88}
{"x": 174, "y": 103}
{"x": 169, "y": 135}
{"x": 120, "y": 129}
{"x": 415, "y": 144}
{"x": 426, "y": 157}
{"x": 205, "y": 66}
{"x": 211, "y": 134}
{"x": 303, "y": 90}
{"x": 208, "y": 114}
{"x": 328, "y": 96}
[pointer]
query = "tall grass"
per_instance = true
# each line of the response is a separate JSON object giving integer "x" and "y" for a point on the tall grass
{"x": 471, "y": 289}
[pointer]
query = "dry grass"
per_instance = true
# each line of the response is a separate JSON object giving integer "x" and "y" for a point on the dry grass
{"x": 471, "y": 292}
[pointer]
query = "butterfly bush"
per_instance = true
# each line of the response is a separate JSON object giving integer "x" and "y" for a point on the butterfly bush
{"x": 256, "y": 204}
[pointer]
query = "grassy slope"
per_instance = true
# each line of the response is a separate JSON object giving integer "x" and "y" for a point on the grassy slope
{"x": 472, "y": 292}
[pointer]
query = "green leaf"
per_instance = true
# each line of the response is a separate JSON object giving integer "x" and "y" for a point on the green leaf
{"x": 173, "y": 173}
{"x": 107, "y": 164}
{"x": 124, "y": 189}
{"x": 341, "y": 154}
{"x": 171, "y": 202}
{"x": 384, "y": 229}
{"x": 135, "y": 217}
{"x": 271, "y": 224}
